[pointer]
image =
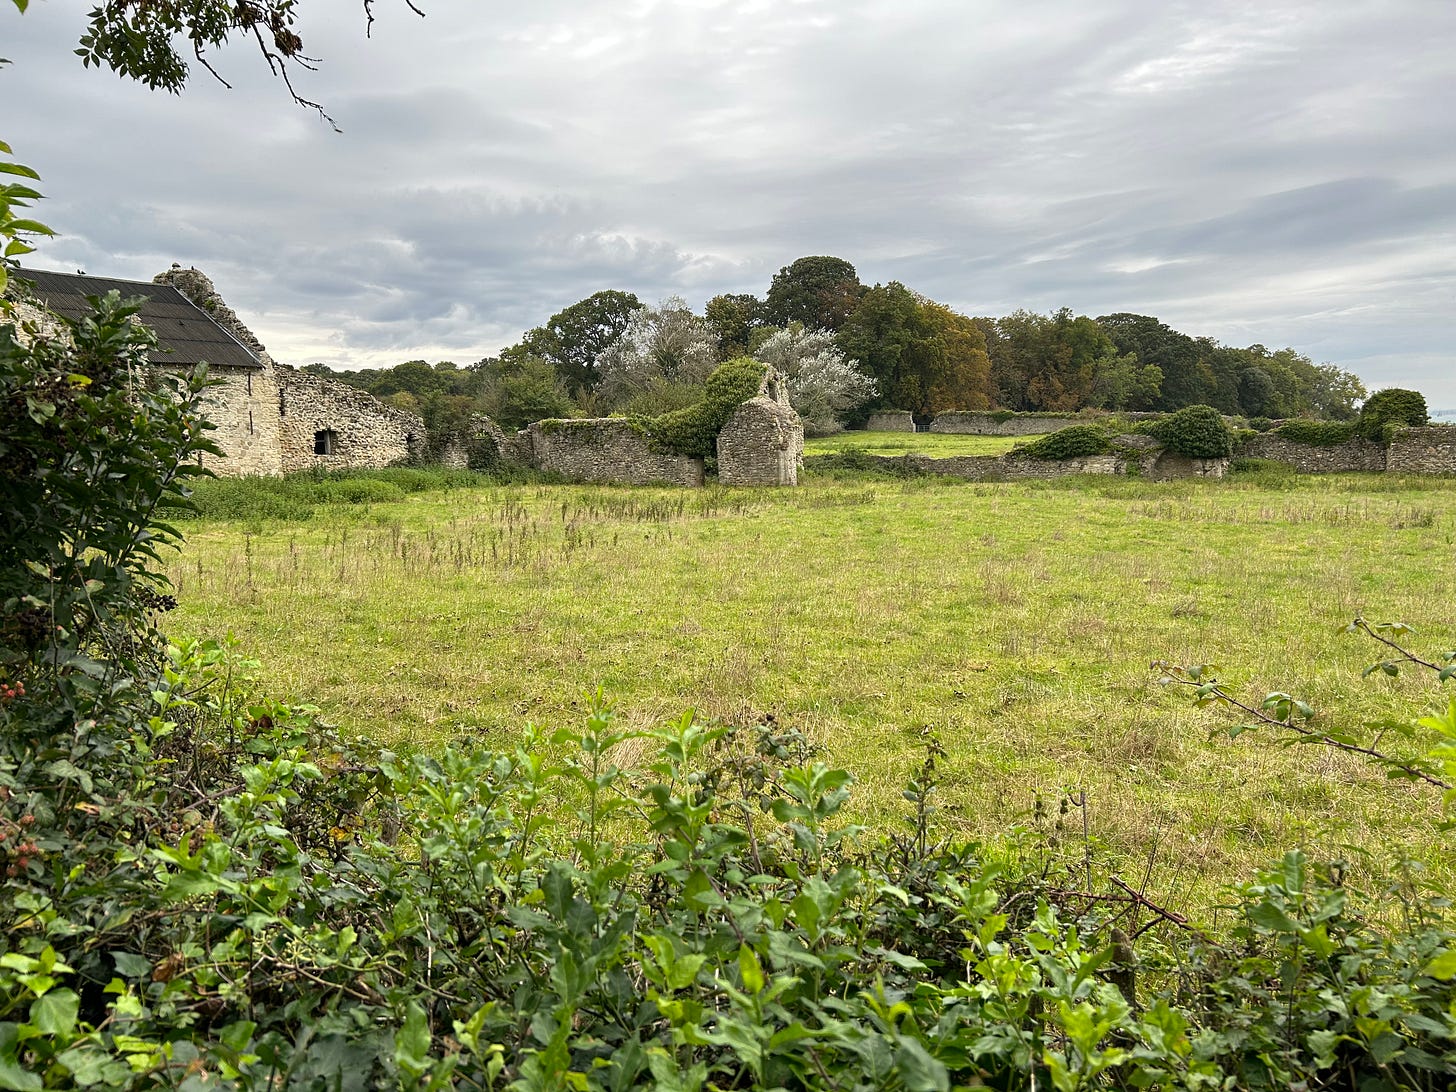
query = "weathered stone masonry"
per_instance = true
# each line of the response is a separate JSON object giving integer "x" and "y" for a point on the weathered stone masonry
{"x": 988, "y": 424}
{"x": 279, "y": 420}
{"x": 603, "y": 449}
{"x": 891, "y": 421}
{"x": 1430, "y": 450}
{"x": 762, "y": 443}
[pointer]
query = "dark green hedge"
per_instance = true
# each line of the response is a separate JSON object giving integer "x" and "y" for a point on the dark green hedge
{"x": 1386, "y": 410}
{"x": 694, "y": 431}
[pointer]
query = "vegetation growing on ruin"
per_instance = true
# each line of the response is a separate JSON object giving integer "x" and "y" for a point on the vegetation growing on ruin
{"x": 1196, "y": 432}
{"x": 694, "y": 430}
{"x": 1390, "y": 409}
{"x": 1073, "y": 442}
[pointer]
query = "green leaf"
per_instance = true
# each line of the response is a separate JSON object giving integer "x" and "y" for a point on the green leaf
{"x": 750, "y": 968}
{"x": 130, "y": 965}
{"x": 412, "y": 1042}
{"x": 1442, "y": 967}
{"x": 13, "y": 1077}
{"x": 919, "y": 1071}
{"x": 1268, "y": 916}
{"x": 54, "y": 1013}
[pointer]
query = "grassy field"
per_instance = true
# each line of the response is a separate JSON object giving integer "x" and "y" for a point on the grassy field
{"x": 1016, "y": 620}
{"x": 935, "y": 444}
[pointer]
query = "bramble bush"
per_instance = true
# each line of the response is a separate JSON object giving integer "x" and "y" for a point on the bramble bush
{"x": 206, "y": 891}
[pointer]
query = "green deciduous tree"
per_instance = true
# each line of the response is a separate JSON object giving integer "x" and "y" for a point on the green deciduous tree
{"x": 529, "y": 390}
{"x": 735, "y": 316}
{"x": 925, "y": 357}
{"x": 573, "y": 340}
{"x": 820, "y": 291}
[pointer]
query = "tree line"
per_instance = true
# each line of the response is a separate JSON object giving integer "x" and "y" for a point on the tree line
{"x": 850, "y": 349}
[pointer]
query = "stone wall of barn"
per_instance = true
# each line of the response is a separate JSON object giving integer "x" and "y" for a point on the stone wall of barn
{"x": 330, "y": 425}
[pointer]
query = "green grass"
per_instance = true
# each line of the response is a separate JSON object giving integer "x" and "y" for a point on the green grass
{"x": 1017, "y": 620}
{"x": 935, "y": 444}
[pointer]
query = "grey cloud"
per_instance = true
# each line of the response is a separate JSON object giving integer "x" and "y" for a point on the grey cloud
{"x": 1280, "y": 172}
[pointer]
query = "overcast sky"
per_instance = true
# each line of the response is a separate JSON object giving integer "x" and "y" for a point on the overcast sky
{"x": 1274, "y": 172}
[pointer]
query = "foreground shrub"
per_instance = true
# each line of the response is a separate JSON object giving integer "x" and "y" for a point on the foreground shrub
{"x": 204, "y": 891}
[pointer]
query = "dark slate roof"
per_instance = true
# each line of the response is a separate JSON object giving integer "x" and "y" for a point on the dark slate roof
{"x": 186, "y": 334}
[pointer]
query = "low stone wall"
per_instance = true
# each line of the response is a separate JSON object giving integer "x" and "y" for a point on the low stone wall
{"x": 761, "y": 444}
{"x": 997, "y": 468}
{"x": 328, "y": 424}
{"x": 602, "y": 449}
{"x": 1156, "y": 464}
{"x": 1315, "y": 459}
{"x": 987, "y": 424}
{"x": 891, "y": 421}
{"x": 1430, "y": 450}
{"x": 1168, "y": 467}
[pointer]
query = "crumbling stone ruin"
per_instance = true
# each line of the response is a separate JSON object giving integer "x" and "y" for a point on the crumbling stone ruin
{"x": 270, "y": 418}
{"x": 763, "y": 441}
{"x": 603, "y": 449}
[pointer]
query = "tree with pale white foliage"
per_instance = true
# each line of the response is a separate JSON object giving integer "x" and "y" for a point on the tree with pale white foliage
{"x": 824, "y": 384}
{"x": 666, "y": 344}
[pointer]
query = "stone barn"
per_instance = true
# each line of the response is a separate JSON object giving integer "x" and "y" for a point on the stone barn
{"x": 271, "y": 419}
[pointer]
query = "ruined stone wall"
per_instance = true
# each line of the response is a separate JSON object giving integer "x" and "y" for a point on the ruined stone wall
{"x": 1169, "y": 466}
{"x": 1000, "y": 468}
{"x": 1316, "y": 459}
{"x": 46, "y": 324}
{"x": 1430, "y": 450}
{"x": 243, "y": 405}
{"x": 198, "y": 287}
{"x": 986, "y": 424}
{"x": 604, "y": 449}
{"x": 891, "y": 421}
{"x": 360, "y": 430}
{"x": 761, "y": 444}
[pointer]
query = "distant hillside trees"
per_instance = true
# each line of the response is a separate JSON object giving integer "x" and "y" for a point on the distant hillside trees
{"x": 1052, "y": 362}
{"x": 850, "y": 349}
{"x": 1254, "y": 381}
